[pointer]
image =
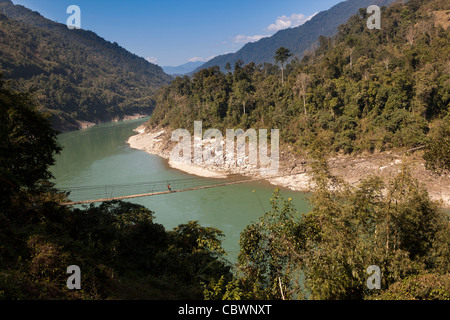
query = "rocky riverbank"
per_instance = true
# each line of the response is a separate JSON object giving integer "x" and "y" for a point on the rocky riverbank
{"x": 69, "y": 125}
{"x": 351, "y": 168}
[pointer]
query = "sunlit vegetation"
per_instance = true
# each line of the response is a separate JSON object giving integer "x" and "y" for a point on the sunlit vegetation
{"x": 75, "y": 74}
{"x": 121, "y": 252}
{"x": 362, "y": 90}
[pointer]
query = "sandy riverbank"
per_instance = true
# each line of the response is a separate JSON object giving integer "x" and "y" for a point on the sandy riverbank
{"x": 351, "y": 169}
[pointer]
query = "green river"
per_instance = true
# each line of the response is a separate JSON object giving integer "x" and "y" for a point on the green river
{"x": 100, "y": 156}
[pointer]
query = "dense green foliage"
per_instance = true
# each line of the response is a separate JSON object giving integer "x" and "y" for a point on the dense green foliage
{"x": 420, "y": 287}
{"x": 121, "y": 252}
{"x": 325, "y": 253}
{"x": 75, "y": 74}
{"x": 299, "y": 39}
{"x": 437, "y": 156}
{"x": 124, "y": 254}
{"x": 27, "y": 147}
{"x": 361, "y": 90}
{"x": 401, "y": 230}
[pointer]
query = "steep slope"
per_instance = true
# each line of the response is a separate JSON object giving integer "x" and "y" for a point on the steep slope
{"x": 362, "y": 90}
{"x": 297, "y": 39}
{"x": 77, "y": 76}
{"x": 360, "y": 98}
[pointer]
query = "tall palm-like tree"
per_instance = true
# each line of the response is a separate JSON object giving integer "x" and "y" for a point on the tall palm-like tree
{"x": 281, "y": 56}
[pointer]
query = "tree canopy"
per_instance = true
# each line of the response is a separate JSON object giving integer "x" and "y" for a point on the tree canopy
{"x": 364, "y": 90}
{"x": 27, "y": 145}
{"x": 121, "y": 251}
{"x": 325, "y": 253}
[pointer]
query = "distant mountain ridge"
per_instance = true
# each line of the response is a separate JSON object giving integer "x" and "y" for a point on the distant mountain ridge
{"x": 77, "y": 76}
{"x": 298, "y": 39}
{"x": 182, "y": 69}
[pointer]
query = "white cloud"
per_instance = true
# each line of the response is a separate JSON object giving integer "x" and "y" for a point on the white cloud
{"x": 244, "y": 39}
{"x": 152, "y": 60}
{"x": 197, "y": 59}
{"x": 200, "y": 59}
{"x": 284, "y": 22}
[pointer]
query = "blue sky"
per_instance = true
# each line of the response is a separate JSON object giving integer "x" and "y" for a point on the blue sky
{"x": 173, "y": 32}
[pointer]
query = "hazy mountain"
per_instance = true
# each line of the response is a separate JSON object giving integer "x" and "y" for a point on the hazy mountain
{"x": 297, "y": 39}
{"x": 76, "y": 75}
{"x": 183, "y": 69}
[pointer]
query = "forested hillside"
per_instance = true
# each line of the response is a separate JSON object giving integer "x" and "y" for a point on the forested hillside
{"x": 298, "y": 39}
{"x": 122, "y": 252}
{"x": 362, "y": 90}
{"x": 76, "y": 75}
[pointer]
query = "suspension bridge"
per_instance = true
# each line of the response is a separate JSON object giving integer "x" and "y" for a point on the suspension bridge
{"x": 103, "y": 193}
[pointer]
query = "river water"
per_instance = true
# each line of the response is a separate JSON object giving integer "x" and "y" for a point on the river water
{"x": 100, "y": 156}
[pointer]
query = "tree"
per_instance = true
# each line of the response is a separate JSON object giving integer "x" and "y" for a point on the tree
{"x": 269, "y": 265}
{"x": 395, "y": 227}
{"x": 228, "y": 67}
{"x": 437, "y": 154}
{"x": 351, "y": 228}
{"x": 238, "y": 64}
{"x": 301, "y": 85}
{"x": 242, "y": 83}
{"x": 281, "y": 56}
{"x": 27, "y": 145}
{"x": 242, "y": 90}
